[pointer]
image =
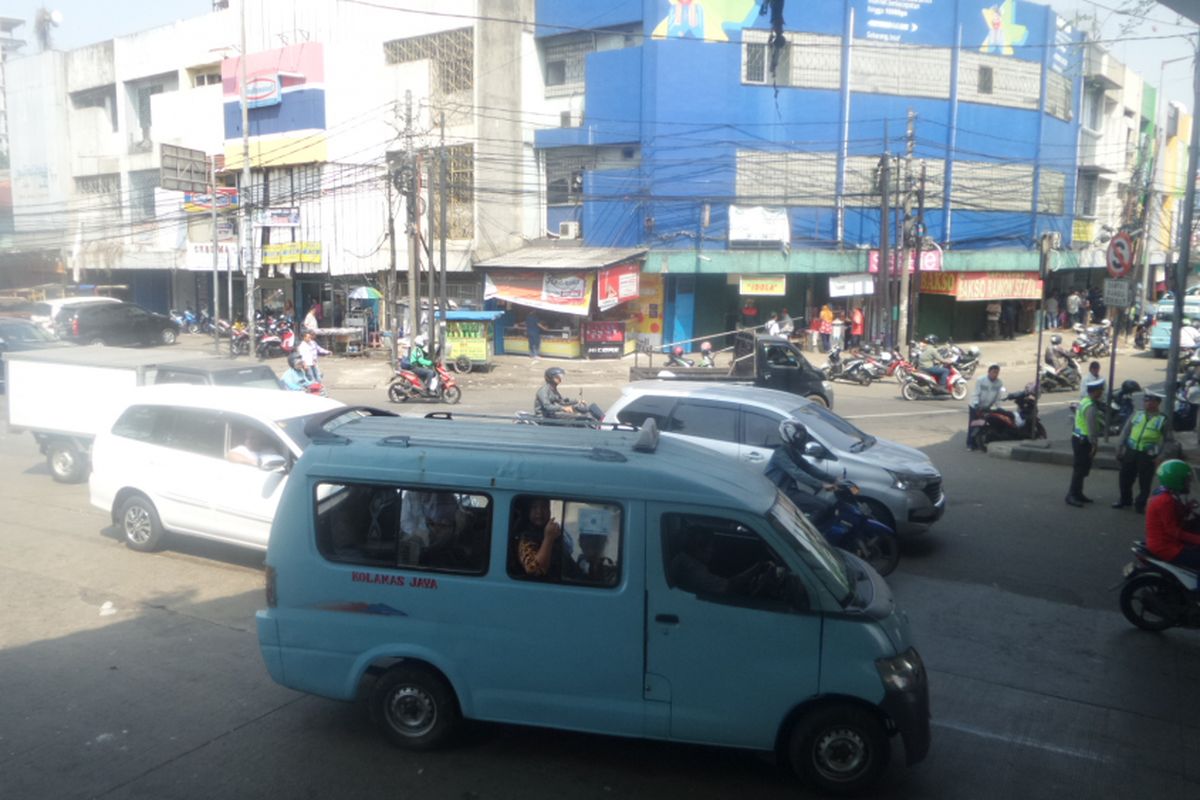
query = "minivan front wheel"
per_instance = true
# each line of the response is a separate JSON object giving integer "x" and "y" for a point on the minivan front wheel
{"x": 139, "y": 523}
{"x": 415, "y": 707}
{"x": 840, "y": 749}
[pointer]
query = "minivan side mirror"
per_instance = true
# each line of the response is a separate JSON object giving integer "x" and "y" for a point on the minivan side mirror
{"x": 817, "y": 450}
{"x": 272, "y": 462}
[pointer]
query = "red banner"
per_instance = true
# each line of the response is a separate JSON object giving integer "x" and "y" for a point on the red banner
{"x": 564, "y": 292}
{"x": 617, "y": 285}
{"x": 931, "y": 261}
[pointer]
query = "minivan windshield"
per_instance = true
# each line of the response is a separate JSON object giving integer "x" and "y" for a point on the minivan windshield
{"x": 837, "y": 433}
{"x": 812, "y": 548}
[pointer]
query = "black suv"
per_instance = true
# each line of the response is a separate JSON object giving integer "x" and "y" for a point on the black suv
{"x": 116, "y": 324}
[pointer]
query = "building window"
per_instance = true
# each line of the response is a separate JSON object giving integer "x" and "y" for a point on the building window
{"x": 754, "y": 70}
{"x": 141, "y": 194}
{"x": 104, "y": 99}
{"x": 556, "y": 73}
{"x": 985, "y": 80}
{"x": 564, "y": 177}
{"x": 206, "y": 79}
{"x": 98, "y": 184}
{"x": 1059, "y": 96}
{"x": 451, "y": 53}
{"x": 1085, "y": 197}
{"x": 1093, "y": 108}
{"x": 566, "y": 59}
{"x": 460, "y": 199}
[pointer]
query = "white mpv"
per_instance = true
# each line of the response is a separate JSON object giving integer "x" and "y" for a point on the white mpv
{"x": 205, "y": 461}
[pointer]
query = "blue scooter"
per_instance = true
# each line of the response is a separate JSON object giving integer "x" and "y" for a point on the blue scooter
{"x": 853, "y": 530}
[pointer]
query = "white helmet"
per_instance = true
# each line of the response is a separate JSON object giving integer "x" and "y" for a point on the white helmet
{"x": 421, "y": 340}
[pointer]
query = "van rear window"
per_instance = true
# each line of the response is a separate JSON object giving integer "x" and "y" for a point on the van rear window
{"x": 437, "y": 530}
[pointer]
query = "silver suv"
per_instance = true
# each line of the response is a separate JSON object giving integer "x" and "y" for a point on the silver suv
{"x": 899, "y": 483}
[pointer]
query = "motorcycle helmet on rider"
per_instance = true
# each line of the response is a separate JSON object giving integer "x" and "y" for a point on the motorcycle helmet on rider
{"x": 705, "y": 347}
{"x": 554, "y": 372}
{"x": 794, "y": 435}
{"x": 1130, "y": 386}
{"x": 295, "y": 361}
{"x": 1175, "y": 475}
{"x": 677, "y": 351}
{"x": 421, "y": 340}
{"x": 932, "y": 339}
{"x": 1056, "y": 339}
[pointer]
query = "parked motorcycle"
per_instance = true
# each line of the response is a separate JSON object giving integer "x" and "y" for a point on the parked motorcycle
{"x": 1156, "y": 595}
{"x": 965, "y": 361}
{"x": 406, "y": 385}
{"x": 277, "y": 338}
{"x": 922, "y": 385}
{"x": 1119, "y": 409}
{"x": 852, "y": 369}
{"x": 1002, "y": 425}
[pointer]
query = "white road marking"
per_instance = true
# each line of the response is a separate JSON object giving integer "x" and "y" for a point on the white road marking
{"x": 1024, "y": 741}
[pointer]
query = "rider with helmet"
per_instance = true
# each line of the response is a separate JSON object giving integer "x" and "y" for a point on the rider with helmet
{"x": 805, "y": 484}
{"x": 677, "y": 359}
{"x": 295, "y": 379}
{"x": 549, "y": 402}
{"x": 706, "y": 354}
{"x": 930, "y": 361}
{"x": 419, "y": 359}
{"x": 1057, "y": 355}
{"x": 1169, "y": 532}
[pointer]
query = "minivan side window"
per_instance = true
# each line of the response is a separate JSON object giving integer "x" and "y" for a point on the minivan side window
{"x": 760, "y": 428}
{"x": 721, "y": 560}
{"x": 707, "y": 420}
{"x": 564, "y": 541}
{"x": 651, "y": 406}
{"x": 138, "y": 422}
{"x": 436, "y": 530}
{"x": 200, "y": 432}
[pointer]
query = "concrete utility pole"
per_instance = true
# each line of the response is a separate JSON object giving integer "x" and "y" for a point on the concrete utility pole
{"x": 914, "y": 297}
{"x": 394, "y": 276}
{"x": 444, "y": 198}
{"x": 1183, "y": 266}
{"x": 885, "y": 272}
{"x": 1045, "y": 245}
{"x": 410, "y": 173}
{"x": 910, "y": 145}
{"x": 247, "y": 231}
{"x": 216, "y": 286}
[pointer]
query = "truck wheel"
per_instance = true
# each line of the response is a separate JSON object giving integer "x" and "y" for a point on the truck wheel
{"x": 818, "y": 399}
{"x": 839, "y": 749}
{"x": 139, "y": 524}
{"x": 67, "y": 464}
{"x": 415, "y": 708}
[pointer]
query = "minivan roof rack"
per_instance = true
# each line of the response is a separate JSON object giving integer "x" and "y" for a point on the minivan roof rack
{"x": 525, "y": 418}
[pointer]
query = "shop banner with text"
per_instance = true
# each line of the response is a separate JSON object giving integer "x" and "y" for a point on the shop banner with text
{"x": 931, "y": 261}
{"x": 564, "y": 292}
{"x": 851, "y": 285}
{"x": 970, "y": 287}
{"x": 769, "y": 285}
{"x": 618, "y": 284}
{"x": 292, "y": 253}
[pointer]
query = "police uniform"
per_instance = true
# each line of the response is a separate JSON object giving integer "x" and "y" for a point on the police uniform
{"x": 1141, "y": 442}
{"x": 1083, "y": 444}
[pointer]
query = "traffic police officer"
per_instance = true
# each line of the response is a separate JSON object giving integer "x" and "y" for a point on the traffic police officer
{"x": 1141, "y": 441}
{"x": 1084, "y": 441}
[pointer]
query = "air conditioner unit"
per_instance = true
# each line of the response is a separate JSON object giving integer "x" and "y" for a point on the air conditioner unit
{"x": 568, "y": 229}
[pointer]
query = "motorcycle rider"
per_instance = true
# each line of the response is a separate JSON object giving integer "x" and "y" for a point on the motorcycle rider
{"x": 1169, "y": 533}
{"x": 1057, "y": 357}
{"x": 1093, "y": 374}
{"x": 930, "y": 362}
{"x": 419, "y": 359}
{"x": 805, "y": 484}
{"x": 548, "y": 402}
{"x": 706, "y": 355}
{"x": 1084, "y": 440}
{"x": 295, "y": 379}
{"x": 1140, "y": 442}
{"x": 988, "y": 391}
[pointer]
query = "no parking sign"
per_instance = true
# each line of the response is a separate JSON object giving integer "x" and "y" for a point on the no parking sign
{"x": 1120, "y": 255}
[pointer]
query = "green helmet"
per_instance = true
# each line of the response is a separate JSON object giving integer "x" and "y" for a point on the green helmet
{"x": 1174, "y": 474}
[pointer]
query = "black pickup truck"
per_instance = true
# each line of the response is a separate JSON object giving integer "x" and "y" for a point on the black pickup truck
{"x": 771, "y": 362}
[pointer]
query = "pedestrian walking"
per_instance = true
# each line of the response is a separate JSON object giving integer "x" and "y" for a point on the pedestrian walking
{"x": 992, "y": 310}
{"x": 826, "y": 327}
{"x": 1084, "y": 440}
{"x": 1074, "y": 301}
{"x": 1093, "y": 374}
{"x": 838, "y": 337}
{"x": 1008, "y": 319}
{"x": 857, "y": 326}
{"x": 1139, "y": 444}
{"x": 1051, "y": 312}
{"x": 988, "y": 391}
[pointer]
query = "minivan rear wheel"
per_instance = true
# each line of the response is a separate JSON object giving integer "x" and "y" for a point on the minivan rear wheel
{"x": 139, "y": 523}
{"x": 415, "y": 707}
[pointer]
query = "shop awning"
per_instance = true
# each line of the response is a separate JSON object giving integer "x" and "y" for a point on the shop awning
{"x": 562, "y": 278}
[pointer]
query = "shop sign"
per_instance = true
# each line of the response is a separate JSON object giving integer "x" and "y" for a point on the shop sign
{"x": 771, "y": 285}
{"x": 277, "y": 217}
{"x": 974, "y": 286}
{"x": 618, "y": 284}
{"x": 564, "y": 292}
{"x": 292, "y": 253}
{"x": 931, "y": 261}
{"x": 851, "y": 285}
{"x": 603, "y": 339}
{"x": 195, "y": 203}
{"x": 759, "y": 224}
{"x": 940, "y": 283}
{"x": 200, "y": 255}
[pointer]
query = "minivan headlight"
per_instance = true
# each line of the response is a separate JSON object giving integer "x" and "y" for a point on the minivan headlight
{"x": 906, "y": 480}
{"x": 902, "y": 673}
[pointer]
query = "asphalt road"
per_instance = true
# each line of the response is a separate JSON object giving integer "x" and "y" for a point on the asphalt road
{"x": 125, "y": 675}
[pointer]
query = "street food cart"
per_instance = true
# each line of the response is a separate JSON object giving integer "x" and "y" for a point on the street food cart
{"x": 472, "y": 338}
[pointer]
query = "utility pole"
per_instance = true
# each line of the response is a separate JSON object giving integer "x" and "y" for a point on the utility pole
{"x": 1046, "y": 244}
{"x": 444, "y": 199}
{"x": 246, "y": 233}
{"x": 216, "y": 286}
{"x": 394, "y": 276}
{"x": 434, "y": 326}
{"x": 914, "y": 298}
{"x": 910, "y": 145}
{"x": 1183, "y": 265}
{"x": 411, "y": 217}
{"x": 885, "y": 272}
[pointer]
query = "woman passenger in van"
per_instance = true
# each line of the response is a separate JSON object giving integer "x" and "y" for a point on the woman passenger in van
{"x": 539, "y": 540}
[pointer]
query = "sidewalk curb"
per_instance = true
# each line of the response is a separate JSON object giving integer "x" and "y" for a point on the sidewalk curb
{"x": 1048, "y": 452}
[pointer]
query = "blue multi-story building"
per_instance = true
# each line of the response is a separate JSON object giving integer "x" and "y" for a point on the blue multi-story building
{"x": 686, "y": 133}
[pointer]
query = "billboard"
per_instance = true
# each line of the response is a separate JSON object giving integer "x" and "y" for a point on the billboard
{"x": 285, "y": 98}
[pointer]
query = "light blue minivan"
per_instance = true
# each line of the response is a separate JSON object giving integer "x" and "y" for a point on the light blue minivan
{"x": 1164, "y": 316}
{"x": 599, "y": 581}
